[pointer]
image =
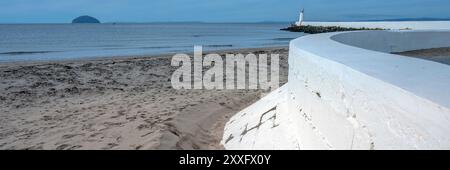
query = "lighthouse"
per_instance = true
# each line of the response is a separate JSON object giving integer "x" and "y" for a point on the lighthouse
{"x": 300, "y": 18}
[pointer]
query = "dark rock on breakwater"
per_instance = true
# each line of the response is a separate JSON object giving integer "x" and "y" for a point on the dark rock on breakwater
{"x": 322, "y": 29}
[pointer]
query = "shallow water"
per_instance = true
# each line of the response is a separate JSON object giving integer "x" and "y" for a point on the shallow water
{"x": 33, "y": 42}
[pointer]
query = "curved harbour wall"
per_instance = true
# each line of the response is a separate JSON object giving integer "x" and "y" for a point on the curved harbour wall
{"x": 346, "y": 91}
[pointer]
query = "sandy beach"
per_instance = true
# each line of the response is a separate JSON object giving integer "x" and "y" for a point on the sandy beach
{"x": 114, "y": 103}
{"x": 440, "y": 55}
{"x": 122, "y": 103}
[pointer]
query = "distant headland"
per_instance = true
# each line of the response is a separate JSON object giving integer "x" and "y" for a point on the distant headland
{"x": 85, "y": 20}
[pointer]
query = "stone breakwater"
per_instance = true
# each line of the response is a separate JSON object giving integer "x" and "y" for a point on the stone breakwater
{"x": 309, "y": 29}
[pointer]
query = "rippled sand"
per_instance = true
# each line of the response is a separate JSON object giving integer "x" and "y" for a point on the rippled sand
{"x": 125, "y": 103}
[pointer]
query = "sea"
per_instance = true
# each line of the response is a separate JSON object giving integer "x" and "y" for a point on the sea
{"x": 46, "y": 42}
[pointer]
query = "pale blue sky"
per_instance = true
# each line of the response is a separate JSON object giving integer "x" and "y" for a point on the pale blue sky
{"x": 63, "y": 11}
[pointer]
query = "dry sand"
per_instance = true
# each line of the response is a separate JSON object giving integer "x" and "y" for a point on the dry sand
{"x": 441, "y": 55}
{"x": 123, "y": 103}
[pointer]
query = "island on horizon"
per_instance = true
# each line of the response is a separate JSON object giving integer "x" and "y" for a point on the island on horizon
{"x": 85, "y": 19}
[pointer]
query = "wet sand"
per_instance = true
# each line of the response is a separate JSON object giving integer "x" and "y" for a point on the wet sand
{"x": 440, "y": 55}
{"x": 121, "y": 103}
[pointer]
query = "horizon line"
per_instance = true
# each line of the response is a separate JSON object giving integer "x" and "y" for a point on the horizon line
{"x": 241, "y": 22}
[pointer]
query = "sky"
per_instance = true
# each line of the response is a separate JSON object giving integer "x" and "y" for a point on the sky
{"x": 63, "y": 11}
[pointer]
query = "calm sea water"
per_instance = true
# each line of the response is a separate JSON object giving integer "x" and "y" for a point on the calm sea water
{"x": 35, "y": 42}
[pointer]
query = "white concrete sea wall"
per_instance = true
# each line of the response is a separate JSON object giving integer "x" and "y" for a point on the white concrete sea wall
{"x": 340, "y": 96}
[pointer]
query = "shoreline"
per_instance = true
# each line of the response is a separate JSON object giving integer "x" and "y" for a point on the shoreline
{"x": 146, "y": 56}
{"x": 115, "y": 103}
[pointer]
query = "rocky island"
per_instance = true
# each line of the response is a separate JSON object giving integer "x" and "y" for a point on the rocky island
{"x": 85, "y": 20}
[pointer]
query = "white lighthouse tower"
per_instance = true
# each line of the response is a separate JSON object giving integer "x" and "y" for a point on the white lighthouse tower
{"x": 300, "y": 19}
